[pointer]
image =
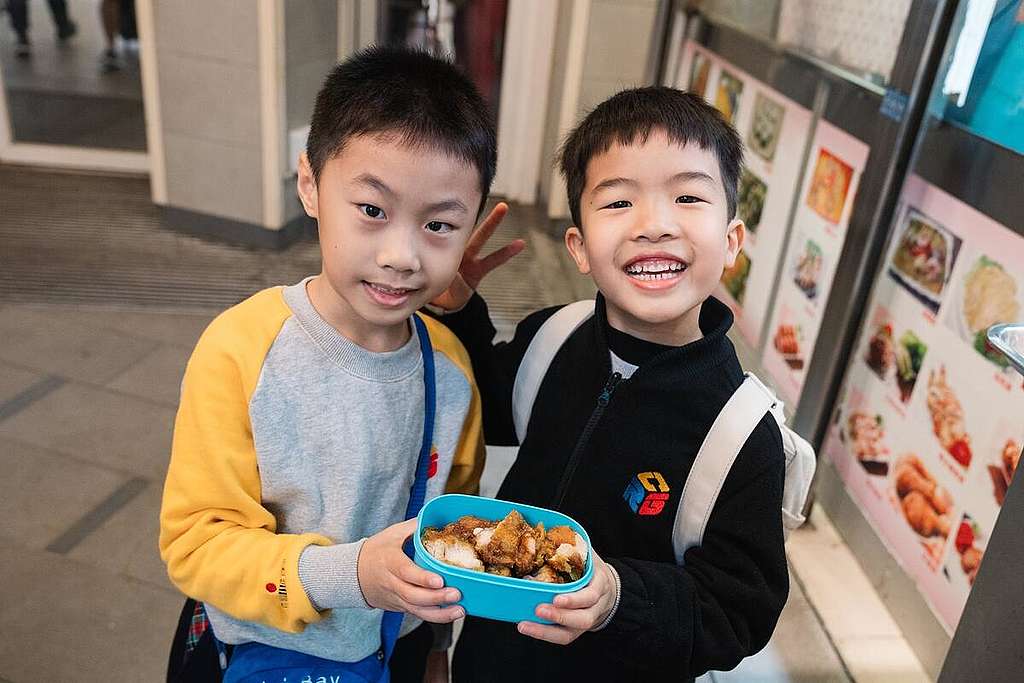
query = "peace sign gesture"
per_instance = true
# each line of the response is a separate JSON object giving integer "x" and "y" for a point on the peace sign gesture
{"x": 473, "y": 268}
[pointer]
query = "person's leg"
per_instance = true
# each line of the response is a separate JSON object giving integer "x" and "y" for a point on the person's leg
{"x": 110, "y": 15}
{"x": 65, "y": 27}
{"x": 409, "y": 660}
{"x": 18, "y": 10}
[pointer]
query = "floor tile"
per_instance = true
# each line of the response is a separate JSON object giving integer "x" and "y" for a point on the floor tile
{"x": 157, "y": 376}
{"x": 176, "y": 329}
{"x": 64, "y": 620}
{"x": 98, "y": 426}
{"x": 881, "y": 660}
{"x": 46, "y": 342}
{"x": 13, "y": 380}
{"x": 126, "y": 545}
{"x": 43, "y": 493}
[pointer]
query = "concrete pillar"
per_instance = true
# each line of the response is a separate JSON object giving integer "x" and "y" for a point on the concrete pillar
{"x": 233, "y": 78}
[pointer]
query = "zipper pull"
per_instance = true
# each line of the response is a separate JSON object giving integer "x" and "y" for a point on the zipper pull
{"x": 606, "y": 393}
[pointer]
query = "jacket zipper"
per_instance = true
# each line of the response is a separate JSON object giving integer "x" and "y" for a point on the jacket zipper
{"x": 577, "y": 452}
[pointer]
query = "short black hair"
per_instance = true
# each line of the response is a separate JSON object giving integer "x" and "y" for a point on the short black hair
{"x": 631, "y": 116}
{"x": 422, "y": 99}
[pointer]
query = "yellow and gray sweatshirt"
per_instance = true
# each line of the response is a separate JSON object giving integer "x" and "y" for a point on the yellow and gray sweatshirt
{"x": 291, "y": 446}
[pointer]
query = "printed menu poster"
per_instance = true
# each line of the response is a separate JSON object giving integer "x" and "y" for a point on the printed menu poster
{"x": 928, "y": 431}
{"x": 809, "y": 265}
{"x": 774, "y": 131}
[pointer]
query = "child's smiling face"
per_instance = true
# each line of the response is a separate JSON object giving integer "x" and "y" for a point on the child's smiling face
{"x": 658, "y": 235}
{"x": 394, "y": 221}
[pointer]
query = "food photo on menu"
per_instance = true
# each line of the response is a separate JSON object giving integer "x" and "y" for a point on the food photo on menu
{"x": 807, "y": 270}
{"x": 923, "y": 259}
{"x": 734, "y": 279}
{"x": 947, "y": 415}
{"x": 829, "y": 186}
{"x": 750, "y": 199}
{"x": 765, "y": 127}
{"x": 969, "y": 547}
{"x": 896, "y": 361}
{"x": 864, "y": 435}
{"x": 1002, "y": 468}
{"x": 926, "y": 505}
{"x": 987, "y": 295}
{"x": 727, "y": 97}
{"x": 788, "y": 342}
{"x": 699, "y": 72}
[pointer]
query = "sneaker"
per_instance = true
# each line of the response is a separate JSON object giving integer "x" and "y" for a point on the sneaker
{"x": 110, "y": 62}
{"x": 65, "y": 32}
{"x": 23, "y": 50}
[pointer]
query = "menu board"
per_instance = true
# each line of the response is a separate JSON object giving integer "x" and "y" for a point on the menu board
{"x": 774, "y": 131}
{"x": 809, "y": 266}
{"x": 928, "y": 430}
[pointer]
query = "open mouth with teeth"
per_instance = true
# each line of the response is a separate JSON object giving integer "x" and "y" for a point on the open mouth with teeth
{"x": 655, "y": 269}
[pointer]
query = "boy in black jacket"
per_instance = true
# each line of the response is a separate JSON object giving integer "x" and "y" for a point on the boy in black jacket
{"x": 624, "y": 407}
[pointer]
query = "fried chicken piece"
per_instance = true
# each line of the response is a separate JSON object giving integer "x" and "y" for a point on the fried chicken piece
{"x": 512, "y": 543}
{"x": 546, "y": 574}
{"x": 465, "y": 527}
{"x": 570, "y": 552}
{"x": 922, "y": 516}
{"x": 448, "y": 548}
{"x": 911, "y": 475}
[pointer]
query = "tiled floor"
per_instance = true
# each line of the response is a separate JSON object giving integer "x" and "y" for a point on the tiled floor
{"x": 87, "y": 400}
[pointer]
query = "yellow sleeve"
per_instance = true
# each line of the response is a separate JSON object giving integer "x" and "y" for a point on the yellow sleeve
{"x": 217, "y": 539}
{"x": 468, "y": 462}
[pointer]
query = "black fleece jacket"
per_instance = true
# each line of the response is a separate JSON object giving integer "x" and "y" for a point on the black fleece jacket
{"x": 592, "y": 462}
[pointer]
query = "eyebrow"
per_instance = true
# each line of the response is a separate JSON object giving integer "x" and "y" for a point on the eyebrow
{"x": 609, "y": 183}
{"x": 681, "y": 177}
{"x": 374, "y": 182}
{"x": 450, "y": 204}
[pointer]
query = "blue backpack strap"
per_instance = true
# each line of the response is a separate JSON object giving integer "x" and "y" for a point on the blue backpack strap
{"x": 392, "y": 621}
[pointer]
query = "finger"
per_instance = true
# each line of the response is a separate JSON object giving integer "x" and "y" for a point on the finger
{"x": 411, "y": 573}
{"x": 437, "y": 615}
{"x": 426, "y": 597}
{"x": 501, "y": 256}
{"x": 486, "y": 228}
{"x": 403, "y": 529}
{"x": 581, "y": 599}
{"x": 579, "y": 619}
{"x": 552, "y": 634}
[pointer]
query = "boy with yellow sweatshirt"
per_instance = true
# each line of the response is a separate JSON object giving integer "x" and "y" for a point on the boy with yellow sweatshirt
{"x": 302, "y": 410}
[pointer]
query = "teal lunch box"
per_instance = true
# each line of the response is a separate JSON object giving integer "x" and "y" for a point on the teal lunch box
{"x": 488, "y": 595}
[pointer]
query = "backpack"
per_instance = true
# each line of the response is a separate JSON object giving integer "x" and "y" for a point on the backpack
{"x": 730, "y": 430}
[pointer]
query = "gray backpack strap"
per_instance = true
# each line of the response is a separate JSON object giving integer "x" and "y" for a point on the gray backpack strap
{"x": 731, "y": 429}
{"x": 539, "y": 354}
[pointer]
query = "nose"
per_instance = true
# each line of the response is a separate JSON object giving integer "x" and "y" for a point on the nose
{"x": 655, "y": 223}
{"x": 398, "y": 250}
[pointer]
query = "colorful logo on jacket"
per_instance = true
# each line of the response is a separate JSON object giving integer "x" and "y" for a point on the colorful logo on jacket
{"x": 647, "y": 493}
{"x": 432, "y": 467}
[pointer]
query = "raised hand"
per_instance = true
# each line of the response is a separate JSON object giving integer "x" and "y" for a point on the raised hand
{"x": 473, "y": 268}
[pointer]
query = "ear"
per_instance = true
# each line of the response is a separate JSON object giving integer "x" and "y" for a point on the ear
{"x": 734, "y": 241}
{"x": 306, "y": 184}
{"x": 577, "y": 249}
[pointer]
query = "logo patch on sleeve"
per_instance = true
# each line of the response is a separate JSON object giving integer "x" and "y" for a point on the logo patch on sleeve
{"x": 432, "y": 468}
{"x": 646, "y": 493}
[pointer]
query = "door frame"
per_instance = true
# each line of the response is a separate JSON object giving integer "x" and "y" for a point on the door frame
{"x": 81, "y": 158}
